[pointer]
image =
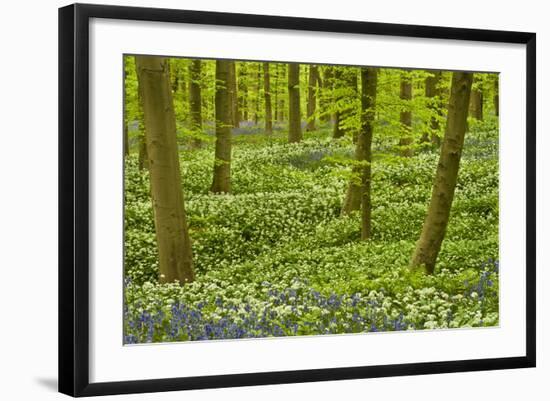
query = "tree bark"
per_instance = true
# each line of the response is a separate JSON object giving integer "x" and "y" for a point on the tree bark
{"x": 222, "y": 163}
{"x": 345, "y": 84}
{"x": 496, "y": 99}
{"x": 243, "y": 89}
{"x": 369, "y": 82}
{"x": 195, "y": 100}
{"x": 294, "y": 118}
{"x": 358, "y": 192}
{"x": 326, "y": 100}
{"x": 174, "y": 245}
{"x": 313, "y": 78}
{"x": 281, "y": 107}
{"x": 437, "y": 218}
{"x": 337, "y": 132}
{"x": 126, "y": 141}
{"x": 433, "y": 93}
{"x": 258, "y": 90}
{"x": 233, "y": 99}
{"x": 405, "y": 117}
{"x": 267, "y": 101}
{"x": 476, "y": 101}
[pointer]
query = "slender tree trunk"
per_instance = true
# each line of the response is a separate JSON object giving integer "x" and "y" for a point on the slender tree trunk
{"x": 313, "y": 78}
{"x": 195, "y": 100}
{"x": 281, "y": 116}
{"x": 433, "y": 93}
{"x": 174, "y": 245}
{"x": 476, "y": 101}
{"x": 326, "y": 99}
{"x": 233, "y": 95}
{"x": 126, "y": 141}
{"x": 276, "y": 94}
{"x": 243, "y": 91}
{"x": 294, "y": 118}
{"x": 358, "y": 192}
{"x": 437, "y": 218}
{"x": 337, "y": 131}
{"x": 258, "y": 96}
{"x": 267, "y": 100}
{"x": 369, "y": 82}
{"x": 143, "y": 157}
{"x": 222, "y": 162}
{"x": 405, "y": 117}
{"x": 496, "y": 100}
{"x": 346, "y": 88}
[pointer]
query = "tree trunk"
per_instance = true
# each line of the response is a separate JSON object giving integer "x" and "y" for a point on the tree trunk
{"x": 437, "y": 218}
{"x": 258, "y": 90}
{"x": 496, "y": 100}
{"x": 433, "y": 93}
{"x": 126, "y": 141}
{"x": 276, "y": 93}
{"x": 345, "y": 83}
{"x": 369, "y": 81}
{"x": 267, "y": 100}
{"x": 294, "y": 118}
{"x": 143, "y": 158}
{"x": 358, "y": 192}
{"x": 195, "y": 100}
{"x": 243, "y": 90}
{"x": 337, "y": 132}
{"x": 222, "y": 163}
{"x": 311, "y": 96}
{"x": 174, "y": 245}
{"x": 405, "y": 117}
{"x": 326, "y": 100}
{"x": 234, "y": 104}
{"x": 281, "y": 107}
{"x": 476, "y": 101}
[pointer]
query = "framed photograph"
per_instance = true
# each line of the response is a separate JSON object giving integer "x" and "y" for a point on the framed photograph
{"x": 252, "y": 199}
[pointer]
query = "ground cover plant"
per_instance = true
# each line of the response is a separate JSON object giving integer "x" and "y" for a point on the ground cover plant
{"x": 243, "y": 224}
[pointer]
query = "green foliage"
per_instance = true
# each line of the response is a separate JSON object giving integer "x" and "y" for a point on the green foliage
{"x": 280, "y": 231}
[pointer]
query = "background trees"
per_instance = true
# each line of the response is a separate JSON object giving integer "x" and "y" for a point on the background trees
{"x": 375, "y": 113}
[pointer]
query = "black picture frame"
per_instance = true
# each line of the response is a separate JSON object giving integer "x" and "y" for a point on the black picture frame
{"x": 74, "y": 198}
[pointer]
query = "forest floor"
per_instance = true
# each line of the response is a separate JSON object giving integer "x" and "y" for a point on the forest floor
{"x": 275, "y": 258}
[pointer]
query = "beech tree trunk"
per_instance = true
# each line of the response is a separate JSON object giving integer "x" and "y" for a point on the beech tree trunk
{"x": 294, "y": 118}
{"x": 143, "y": 158}
{"x": 345, "y": 84}
{"x": 126, "y": 142}
{"x": 496, "y": 99}
{"x": 222, "y": 162}
{"x": 476, "y": 102}
{"x": 437, "y": 218}
{"x": 369, "y": 82}
{"x": 311, "y": 96}
{"x": 258, "y": 96}
{"x": 267, "y": 101}
{"x": 433, "y": 93}
{"x": 233, "y": 95}
{"x": 325, "y": 101}
{"x": 243, "y": 90}
{"x": 337, "y": 132}
{"x": 358, "y": 192}
{"x": 281, "y": 106}
{"x": 174, "y": 245}
{"x": 405, "y": 117}
{"x": 195, "y": 100}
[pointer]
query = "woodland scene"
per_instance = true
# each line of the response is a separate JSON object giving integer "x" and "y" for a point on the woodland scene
{"x": 270, "y": 199}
